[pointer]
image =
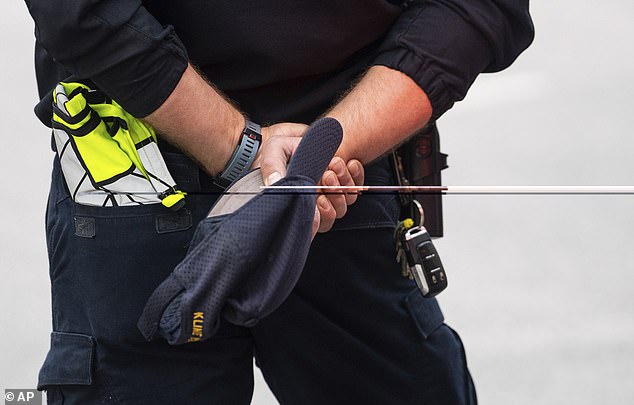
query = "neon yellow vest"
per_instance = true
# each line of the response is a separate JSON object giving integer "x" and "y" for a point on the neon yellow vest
{"x": 108, "y": 157}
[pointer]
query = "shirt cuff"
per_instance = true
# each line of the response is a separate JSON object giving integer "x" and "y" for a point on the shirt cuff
{"x": 142, "y": 81}
{"x": 423, "y": 72}
{"x": 439, "y": 49}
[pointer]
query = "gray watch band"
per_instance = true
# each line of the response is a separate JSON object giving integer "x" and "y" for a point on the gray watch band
{"x": 243, "y": 156}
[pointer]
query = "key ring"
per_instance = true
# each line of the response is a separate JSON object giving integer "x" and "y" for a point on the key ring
{"x": 421, "y": 212}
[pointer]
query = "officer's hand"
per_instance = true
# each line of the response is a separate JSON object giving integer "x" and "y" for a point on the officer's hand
{"x": 279, "y": 142}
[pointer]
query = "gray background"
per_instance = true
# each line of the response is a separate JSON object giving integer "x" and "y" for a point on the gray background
{"x": 541, "y": 286}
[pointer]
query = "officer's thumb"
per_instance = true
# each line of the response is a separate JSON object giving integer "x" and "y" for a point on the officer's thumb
{"x": 276, "y": 152}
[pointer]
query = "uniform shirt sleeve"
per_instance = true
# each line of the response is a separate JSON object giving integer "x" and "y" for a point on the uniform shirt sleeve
{"x": 117, "y": 44}
{"x": 444, "y": 44}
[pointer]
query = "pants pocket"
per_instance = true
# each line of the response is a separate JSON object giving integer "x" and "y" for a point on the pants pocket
{"x": 68, "y": 372}
{"x": 69, "y": 360}
{"x": 442, "y": 365}
{"x": 425, "y": 313}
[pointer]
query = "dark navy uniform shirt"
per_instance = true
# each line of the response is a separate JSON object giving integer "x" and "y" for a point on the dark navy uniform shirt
{"x": 281, "y": 60}
{"x": 284, "y": 60}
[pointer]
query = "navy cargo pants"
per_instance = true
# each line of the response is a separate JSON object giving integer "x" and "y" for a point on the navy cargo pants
{"x": 354, "y": 331}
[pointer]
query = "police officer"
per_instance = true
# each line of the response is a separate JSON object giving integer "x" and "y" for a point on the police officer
{"x": 353, "y": 330}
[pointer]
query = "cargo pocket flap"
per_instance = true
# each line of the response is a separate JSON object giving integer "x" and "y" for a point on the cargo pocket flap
{"x": 69, "y": 360}
{"x": 425, "y": 312}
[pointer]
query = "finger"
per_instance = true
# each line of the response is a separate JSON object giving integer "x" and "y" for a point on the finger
{"x": 275, "y": 155}
{"x": 355, "y": 168}
{"x": 337, "y": 198}
{"x": 326, "y": 214}
{"x": 316, "y": 219}
{"x": 338, "y": 166}
{"x": 356, "y": 171}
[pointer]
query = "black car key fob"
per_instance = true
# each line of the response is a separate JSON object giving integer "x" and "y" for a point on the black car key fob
{"x": 423, "y": 261}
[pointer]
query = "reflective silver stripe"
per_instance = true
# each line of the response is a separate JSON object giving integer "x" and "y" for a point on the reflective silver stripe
{"x": 153, "y": 162}
{"x": 84, "y": 192}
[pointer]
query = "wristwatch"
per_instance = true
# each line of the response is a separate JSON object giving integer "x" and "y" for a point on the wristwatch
{"x": 243, "y": 156}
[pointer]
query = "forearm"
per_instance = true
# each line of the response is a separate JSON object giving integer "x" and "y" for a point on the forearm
{"x": 379, "y": 113}
{"x": 199, "y": 121}
{"x": 140, "y": 63}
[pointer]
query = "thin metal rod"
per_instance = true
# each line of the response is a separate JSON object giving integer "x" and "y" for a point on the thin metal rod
{"x": 460, "y": 190}
{"x": 609, "y": 190}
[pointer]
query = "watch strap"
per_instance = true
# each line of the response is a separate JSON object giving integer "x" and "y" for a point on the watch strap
{"x": 243, "y": 156}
